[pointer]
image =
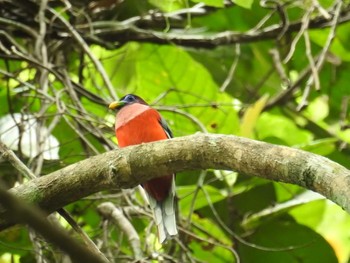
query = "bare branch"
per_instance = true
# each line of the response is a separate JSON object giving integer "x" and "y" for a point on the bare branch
{"x": 87, "y": 50}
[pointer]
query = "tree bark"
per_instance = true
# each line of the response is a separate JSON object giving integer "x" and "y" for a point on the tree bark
{"x": 130, "y": 166}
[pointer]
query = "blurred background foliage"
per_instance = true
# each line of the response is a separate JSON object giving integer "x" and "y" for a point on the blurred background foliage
{"x": 276, "y": 71}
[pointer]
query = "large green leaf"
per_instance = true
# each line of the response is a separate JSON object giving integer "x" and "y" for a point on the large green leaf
{"x": 339, "y": 46}
{"x": 244, "y": 3}
{"x": 278, "y": 126}
{"x": 256, "y": 197}
{"x": 296, "y": 243}
{"x": 190, "y": 87}
{"x": 334, "y": 226}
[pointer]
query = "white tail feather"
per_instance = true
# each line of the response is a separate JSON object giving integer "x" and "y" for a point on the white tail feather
{"x": 164, "y": 215}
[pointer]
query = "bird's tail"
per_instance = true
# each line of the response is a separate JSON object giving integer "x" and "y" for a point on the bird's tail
{"x": 165, "y": 214}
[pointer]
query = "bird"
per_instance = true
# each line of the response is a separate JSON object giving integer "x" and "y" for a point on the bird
{"x": 136, "y": 123}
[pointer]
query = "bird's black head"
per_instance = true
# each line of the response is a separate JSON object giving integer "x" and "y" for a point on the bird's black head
{"x": 126, "y": 100}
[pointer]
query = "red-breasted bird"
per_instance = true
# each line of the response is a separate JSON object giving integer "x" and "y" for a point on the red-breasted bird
{"x": 136, "y": 123}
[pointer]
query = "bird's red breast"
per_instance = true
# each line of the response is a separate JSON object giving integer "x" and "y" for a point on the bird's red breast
{"x": 136, "y": 124}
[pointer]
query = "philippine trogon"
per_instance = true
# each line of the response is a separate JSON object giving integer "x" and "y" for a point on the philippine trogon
{"x": 136, "y": 123}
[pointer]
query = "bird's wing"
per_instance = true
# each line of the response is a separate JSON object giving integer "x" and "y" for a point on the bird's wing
{"x": 165, "y": 127}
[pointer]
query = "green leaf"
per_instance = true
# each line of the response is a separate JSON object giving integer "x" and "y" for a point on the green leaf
{"x": 334, "y": 227}
{"x": 160, "y": 68}
{"x": 322, "y": 147}
{"x": 296, "y": 243}
{"x": 4, "y": 102}
{"x": 15, "y": 240}
{"x": 168, "y": 5}
{"x": 339, "y": 46}
{"x": 318, "y": 109}
{"x": 285, "y": 192}
{"x": 256, "y": 198}
{"x": 120, "y": 65}
{"x": 246, "y": 185}
{"x": 208, "y": 252}
{"x": 190, "y": 89}
{"x": 185, "y": 194}
{"x": 278, "y": 126}
{"x": 244, "y": 3}
{"x": 251, "y": 116}
{"x": 344, "y": 135}
{"x": 221, "y": 119}
{"x": 310, "y": 214}
{"x": 266, "y": 214}
{"x": 215, "y": 3}
{"x": 211, "y": 229}
{"x": 229, "y": 177}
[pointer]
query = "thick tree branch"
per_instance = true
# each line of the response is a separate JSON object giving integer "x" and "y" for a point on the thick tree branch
{"x": 116, "y": 32}
{"x": 130, "y": 166}
{"x": 10, "y": 156}
{"x": 24, "y": 213}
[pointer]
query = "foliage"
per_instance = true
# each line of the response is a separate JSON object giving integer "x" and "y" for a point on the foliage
{"x": 211, "y": 66}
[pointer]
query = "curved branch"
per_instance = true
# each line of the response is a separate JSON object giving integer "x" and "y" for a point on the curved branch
{"x": 109, "y": 211}
{"x": 130, "y": 166}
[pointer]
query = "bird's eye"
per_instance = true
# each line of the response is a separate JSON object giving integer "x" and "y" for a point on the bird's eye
{"x": 129, "y": 98}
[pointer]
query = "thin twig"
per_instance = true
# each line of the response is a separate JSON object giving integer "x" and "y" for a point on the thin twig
{"x": 305, "y": 21}
{"x": 232, "y": 68}
{"x": 314, "y": 77}
{"x": 110, "y": 211}
{"x": 87, "y": 50}
{"x": 278, "y": 66}
{"x": 314, "y": 70}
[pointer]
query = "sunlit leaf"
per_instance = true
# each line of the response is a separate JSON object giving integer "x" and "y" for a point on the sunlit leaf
{"x": 318, "y": 109}
{"x": 215, "y": 3}
{"x": 271, "y": 125}
{"x": 322, "y": 147}
{"x": 251, "y": 116}
{"x": 244, "y": 3}
{"x": 344, "y": 135}
{"x": 228, "y": 176}
{"x": 332, "y": 226}
{"x": 168, "y": 5}
{"x": 338, "y": 46}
